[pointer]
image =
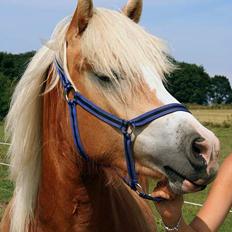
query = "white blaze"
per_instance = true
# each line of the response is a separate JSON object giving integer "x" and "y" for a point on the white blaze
{"x": 155, "y": 83}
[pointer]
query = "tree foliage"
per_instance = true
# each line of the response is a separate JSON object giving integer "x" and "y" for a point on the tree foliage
{"x": 5, "y": 93}
{"x": 11, "y": 68}
{"x": 220, "y": 90}
{"x": 189, "y": 83}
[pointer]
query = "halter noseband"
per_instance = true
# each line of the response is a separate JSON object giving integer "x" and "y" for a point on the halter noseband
{"x": 124, "y": 126}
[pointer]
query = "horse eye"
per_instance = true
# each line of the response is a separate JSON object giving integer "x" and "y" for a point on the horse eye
{"x": 103, "y": 78}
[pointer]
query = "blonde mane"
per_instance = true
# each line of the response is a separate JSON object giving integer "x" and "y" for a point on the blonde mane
{"x": 107, "y": 46}
{"x": 113, "y": 44}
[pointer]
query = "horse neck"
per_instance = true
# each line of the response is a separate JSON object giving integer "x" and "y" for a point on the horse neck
{"x": 81, "y": 196}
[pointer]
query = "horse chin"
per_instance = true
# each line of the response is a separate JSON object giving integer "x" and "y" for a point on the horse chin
{"x": 190, "y": 187}
{"x": 170, "y": 185}
{"x": 180, "y": 184}
{"x": 169, "y": 182}
{"x": 168, "y": 190}
{"x": 184, "y": 186}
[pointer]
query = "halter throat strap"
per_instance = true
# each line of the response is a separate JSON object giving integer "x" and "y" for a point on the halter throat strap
{"x": 126, "y": 127}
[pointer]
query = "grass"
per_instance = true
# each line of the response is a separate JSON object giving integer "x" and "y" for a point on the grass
{"x": 217, "y": 120}
{"x": 214, "y": 117}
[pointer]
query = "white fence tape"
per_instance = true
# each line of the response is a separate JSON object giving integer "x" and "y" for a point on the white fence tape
{"x": 192, "y": 203}
{"x": 196, "y": 204}
{"x": 4, "y": 164}
{"x": 5, "y": 144}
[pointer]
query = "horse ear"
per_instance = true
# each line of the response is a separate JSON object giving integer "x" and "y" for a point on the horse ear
{"x": 81, "y": 17}
{"x": 133, "y": 9}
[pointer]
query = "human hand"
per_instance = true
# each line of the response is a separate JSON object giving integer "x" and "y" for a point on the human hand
{"x": 170, "y": 209}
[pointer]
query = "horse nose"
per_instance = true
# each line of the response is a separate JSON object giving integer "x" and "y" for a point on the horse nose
{"x": 201, "y": 153}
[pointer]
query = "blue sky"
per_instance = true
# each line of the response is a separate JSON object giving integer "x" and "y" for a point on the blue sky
{"x": 197, "y": 31}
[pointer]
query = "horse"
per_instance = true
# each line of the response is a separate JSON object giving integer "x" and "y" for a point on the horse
{"x": 120, "y": 69}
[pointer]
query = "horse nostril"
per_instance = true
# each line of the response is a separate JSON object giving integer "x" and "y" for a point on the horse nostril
{"x": 199, "y": 148}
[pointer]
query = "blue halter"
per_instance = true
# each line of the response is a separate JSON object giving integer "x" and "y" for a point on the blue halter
{"x": 124, "y": 126}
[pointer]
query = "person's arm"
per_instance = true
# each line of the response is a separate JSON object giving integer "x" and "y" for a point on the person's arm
{"x": 214, "y": 211}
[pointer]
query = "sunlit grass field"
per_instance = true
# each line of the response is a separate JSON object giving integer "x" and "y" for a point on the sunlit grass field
{"x": 218, "y": 120}
{"x": 214, "y": 117}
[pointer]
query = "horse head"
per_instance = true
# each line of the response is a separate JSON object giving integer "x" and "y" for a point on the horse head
{"x": 120, "y": 67}
{"x": 118, "y": 70}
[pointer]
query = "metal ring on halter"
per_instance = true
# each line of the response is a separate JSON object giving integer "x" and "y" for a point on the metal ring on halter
{"x": 131, "y": 129}
{"x": 139, "y": 189}
{"x": 127, "y": 128}
{"x": 67, "y": 94}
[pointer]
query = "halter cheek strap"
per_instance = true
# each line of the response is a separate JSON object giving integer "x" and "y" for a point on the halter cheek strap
{"x": 126, "y": 127}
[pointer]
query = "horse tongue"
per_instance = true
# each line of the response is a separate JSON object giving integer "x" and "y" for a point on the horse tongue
{"x": 162, "y": 190}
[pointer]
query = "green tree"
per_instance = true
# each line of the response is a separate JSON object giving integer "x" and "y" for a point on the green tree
{"x": 220, "y": 91}
{"x": 13, "y": 65}
{"x": 6, "y": 90}
{"x": 11, "y": 68}
{"x": 189, "y": 83}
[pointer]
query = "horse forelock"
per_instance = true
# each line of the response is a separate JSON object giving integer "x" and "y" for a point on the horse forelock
{"x": 114, "y": 44}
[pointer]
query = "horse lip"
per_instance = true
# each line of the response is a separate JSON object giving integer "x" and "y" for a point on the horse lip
{"x": 201, "y": 187}
{"x": 188, "y": 186}
{"x": 182, "y": 177}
